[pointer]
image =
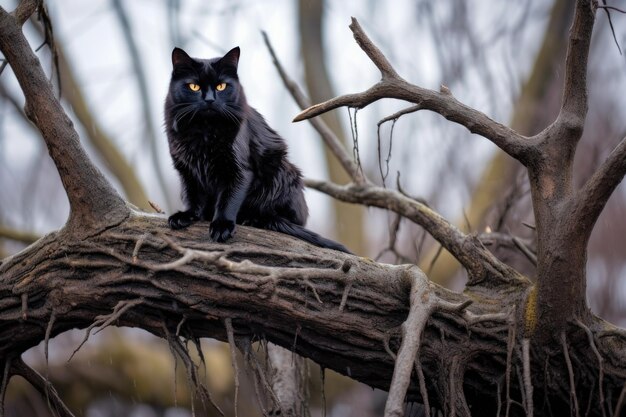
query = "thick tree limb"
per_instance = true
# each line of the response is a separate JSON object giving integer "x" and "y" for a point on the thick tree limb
{"x": 92, "y": 199}
{"x": 479, "y": 262}
{"x": 115, "y": 162}
{"x": 393, "y": 86}
{"x": 291, "y": 292}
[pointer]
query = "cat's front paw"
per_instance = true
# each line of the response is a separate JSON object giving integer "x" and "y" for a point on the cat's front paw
{"x": 221, "y": 230}
{"x": 182, "y": 219}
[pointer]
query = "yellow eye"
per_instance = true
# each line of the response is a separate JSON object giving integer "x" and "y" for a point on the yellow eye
{"x": 220, "y": 87}
{"x": 193, "y": 87}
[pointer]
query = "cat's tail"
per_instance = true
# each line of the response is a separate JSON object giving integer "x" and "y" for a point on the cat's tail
{"x": 295, "y": 230}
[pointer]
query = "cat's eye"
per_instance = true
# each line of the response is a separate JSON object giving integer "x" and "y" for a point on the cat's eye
{"x": 220, "y": 87}
{"x": 193, "y": 87}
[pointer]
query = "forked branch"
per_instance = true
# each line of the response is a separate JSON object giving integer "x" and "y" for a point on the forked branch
{"x": 443, "y": 103}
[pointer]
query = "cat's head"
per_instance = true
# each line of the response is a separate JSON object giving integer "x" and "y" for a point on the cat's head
{"x": 205, "y": 88}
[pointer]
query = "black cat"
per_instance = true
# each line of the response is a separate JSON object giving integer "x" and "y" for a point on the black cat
{"x": 233, "y": 166}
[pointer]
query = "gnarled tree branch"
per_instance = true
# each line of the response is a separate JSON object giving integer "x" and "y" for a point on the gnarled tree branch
{"x": 479, "y": 262}
{"x": 443, "y": 103}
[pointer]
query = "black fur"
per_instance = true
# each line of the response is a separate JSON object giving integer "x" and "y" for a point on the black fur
{"x": 233, "y": 166}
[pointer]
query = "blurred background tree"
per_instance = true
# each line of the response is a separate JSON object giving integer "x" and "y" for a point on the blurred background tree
{"x": 110, "y": 63}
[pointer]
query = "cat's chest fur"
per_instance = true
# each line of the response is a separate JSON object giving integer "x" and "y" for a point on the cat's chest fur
{"x": 208, "y": 153}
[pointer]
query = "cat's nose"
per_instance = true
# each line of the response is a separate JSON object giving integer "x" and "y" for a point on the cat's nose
{"x": 209, "y": 97}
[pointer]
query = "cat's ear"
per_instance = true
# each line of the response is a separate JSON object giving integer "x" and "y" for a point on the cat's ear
{"x": 180, "y": 57}
{"x": 231, "y": 58}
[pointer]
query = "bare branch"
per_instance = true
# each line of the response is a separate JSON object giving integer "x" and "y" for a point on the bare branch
{"x": 25, "y": 9}
{"x": 423, "y": 303}
{"x": 372, "y": 51}
{"x": 528, "y": 386}
{"x": 18, "y": 235}
{"x": 93, "y": 200}
{"x": 393, "y": 86}
{"x": 115, "y": 162}
{"x": 142, "y": 83}
{"x": 41, "y": 384}
{"x": 570, "y": 370}
{"x": 606, "y": 7}
{"x": 329, "y": 138}
{"x": 228, "y": 323}
{"x": 472, "y": 256}
{"x": 574, "y": 107}
{"x": 588, "y": 204}
{"x": 608, "y": 15}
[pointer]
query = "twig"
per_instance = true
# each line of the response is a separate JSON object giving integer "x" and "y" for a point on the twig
{"x": 233, "y": 357}
{"x": 528, "y": 386}
{"x": 570, "y": 370}
{"x": 138, "y": 245}
{"x": 191, "y": 367}
{"x": 42, "y": 385}
{"x": 104, "y": 321}
{"x": 608, "y": 15}
{"x": 422, "y": 385}
{"x": 510, "y": 346}
{"x": 331, "y": 140}
{"x": 344, "y": 296}
{"x": 605, "y": 6}
{"x": 620, "y": 402}
{"x": 596, "y": 352}
{"x": 5, "y": 383}
{"x": 525, "y": 250}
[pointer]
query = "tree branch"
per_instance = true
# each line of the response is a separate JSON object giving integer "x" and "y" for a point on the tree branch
{"x": 330, "y": 139}
{"x": 93, "y": 201}
{"x": 115, "y": 162}
{"x": 280, "y": 295}
{"x": 574, "y": 107}
{"x": 443, "y": 103}
{"x": 41, "y": 384}
{"x": 25, "y": 10}
{"x": 138, "y": 69}
{"x": 590, "y": 201}
{"x": 18, "y": 235}
{"x": 479, "y": 262}
{"x": 372, "y": 51}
